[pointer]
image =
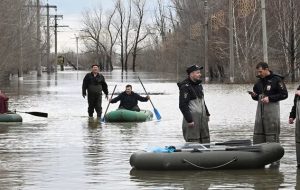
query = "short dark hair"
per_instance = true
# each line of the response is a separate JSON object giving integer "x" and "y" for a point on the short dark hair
{"x": 262, "y": 65}
{"x": 95, "y": 65}
{"x": 128, "y": 85}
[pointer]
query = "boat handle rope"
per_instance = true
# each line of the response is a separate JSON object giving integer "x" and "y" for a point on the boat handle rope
{"x": 210, "y": 168}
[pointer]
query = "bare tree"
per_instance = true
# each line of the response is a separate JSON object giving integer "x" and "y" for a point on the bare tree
{"x": 17, "y": 37}
{"x": 140, "y": 10}
{"x": 92, "y": 28}
{"x": 125, "y": 25}
{"x": 286, "y": 15}
{"x": 112, "y": 37}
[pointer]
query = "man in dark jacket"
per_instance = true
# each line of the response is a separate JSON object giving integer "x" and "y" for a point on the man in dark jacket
{"x": 193, "y": 108}
{"x": 94, "y": 83}
{"x": 268, "y": 91}
{"x": 294, "y": 114}
{"x": 129, "y": 100}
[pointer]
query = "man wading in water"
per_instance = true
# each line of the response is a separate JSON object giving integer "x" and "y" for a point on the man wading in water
{"x": 94, "y": 83}
{"x": 193, "y": 108}
{"x": 268, "y": 91}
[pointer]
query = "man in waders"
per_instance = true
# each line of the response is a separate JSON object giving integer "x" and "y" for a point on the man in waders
{"x": 294, "y": 114}
{"x": 193, "y": 108}
{"x": 94, "y": 83}
{"x": 129, "y": 99}
{"x": 268, "y": 91}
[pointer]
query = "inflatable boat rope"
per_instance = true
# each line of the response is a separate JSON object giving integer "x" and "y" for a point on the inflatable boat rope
{"x": 210, "y": 168}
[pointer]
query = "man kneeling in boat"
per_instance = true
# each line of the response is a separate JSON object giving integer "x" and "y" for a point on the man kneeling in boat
{"x": 129, "y": 100}
{"x": 3, "y": 103}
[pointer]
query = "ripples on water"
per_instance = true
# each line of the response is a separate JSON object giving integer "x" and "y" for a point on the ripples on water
{"x": 66, "y": 151}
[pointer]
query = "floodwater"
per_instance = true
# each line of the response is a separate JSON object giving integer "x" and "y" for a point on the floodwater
{"x": 66, "y": 151}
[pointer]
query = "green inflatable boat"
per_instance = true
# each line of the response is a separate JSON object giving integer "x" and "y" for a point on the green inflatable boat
{"x": 10, "y": 117}
{"x": 242, "y": 157}
{"x": 123, "y": 115}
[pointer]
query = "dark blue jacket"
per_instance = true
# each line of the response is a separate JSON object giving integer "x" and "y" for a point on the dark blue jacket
{"x": 128, "y": 101}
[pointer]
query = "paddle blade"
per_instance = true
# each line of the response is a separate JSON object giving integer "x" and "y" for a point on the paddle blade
{"x": 38, "y": 114}
{"x": 157, "y": 115}
{"x": 245, "y": 148}
{"x": 235, "y": 143}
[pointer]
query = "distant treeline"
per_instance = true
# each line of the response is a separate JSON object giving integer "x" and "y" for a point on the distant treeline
{"x": 163, "y": 36}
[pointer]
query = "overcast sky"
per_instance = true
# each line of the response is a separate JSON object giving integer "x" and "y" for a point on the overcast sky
{"x": 72, "y": 11}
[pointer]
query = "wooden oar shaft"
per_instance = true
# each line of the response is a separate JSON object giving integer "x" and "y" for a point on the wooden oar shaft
{"x": 109, "y": 102}
{"x": 145, "y": 91}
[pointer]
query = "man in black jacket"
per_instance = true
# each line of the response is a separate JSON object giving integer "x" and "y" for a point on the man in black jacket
{"x": 268, "y": 91}
{"x": 193, "y": 107}
{"x": 129, "y": 100}
{"x": 94, "y": 83}
{"x": 294, "y": 114}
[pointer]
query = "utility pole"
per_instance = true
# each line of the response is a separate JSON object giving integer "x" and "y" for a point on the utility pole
{"x": 48, "y": 38}
{"x": 38, "y": 42}
{"x": 206, "y": 41}
{"x": 264, "y": 30}
{"x": 231, "y": 55}
{"x": 20, "y": 69}
{"x": 55, "y": 35}
{"x": 48, "y": 42}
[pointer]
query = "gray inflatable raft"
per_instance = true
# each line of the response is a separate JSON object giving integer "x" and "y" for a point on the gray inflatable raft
{"x": 248, "y": 157}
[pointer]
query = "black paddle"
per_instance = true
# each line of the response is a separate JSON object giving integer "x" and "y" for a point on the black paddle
{"x": 158, "y": 117}
{"x": 103, "y": 119}
{"x": 246, "y": 142}
{"x": 35, "y": 113}
{"x": 255, "y": 148}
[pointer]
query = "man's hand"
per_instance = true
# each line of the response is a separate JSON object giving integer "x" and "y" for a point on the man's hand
{"x": 83, "y": 95}
{"x": 291, "y": 120}
{"x": 298, "y": 93}
{"x": 253, "y": 94}
{"x": 109, "y": 100}
{"x": 192, "y": 124}
{"x": 265, "y": 100}
{"x": 148, "y": 97}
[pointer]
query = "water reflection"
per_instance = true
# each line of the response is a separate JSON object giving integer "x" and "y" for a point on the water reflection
{"x": 93, "y": 150}
{"x": 232, "y": 179}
